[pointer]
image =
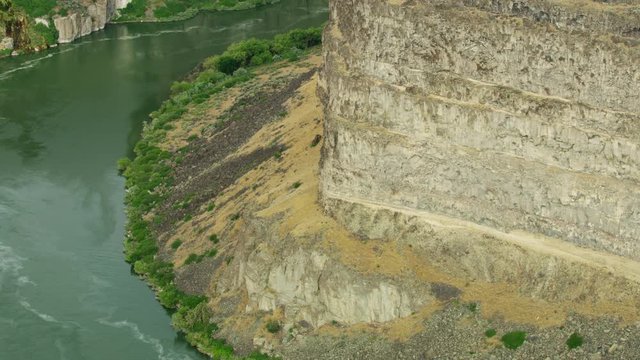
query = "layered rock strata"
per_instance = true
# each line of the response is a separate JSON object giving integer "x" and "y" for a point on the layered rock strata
{"x": 513, "y": 115}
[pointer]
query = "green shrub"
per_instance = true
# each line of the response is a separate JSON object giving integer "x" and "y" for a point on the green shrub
{"x": 490, "y": 333}
{"x": 472, "y": 306}
{"x": 262, "y": 58}
{"x": 169, "y": 297}
{"x": 171, "y": 8}
{"x": 36, "y": 8}
{"x": 48, "y": 33}
{"x": 574, "y": 341}
{"x": 180, "y": 86}
{"x": 254, "y": 52}
{"x": 228, "y": 63}
{"x": 193, "y": 259}
{"x": 514, "y": 339}
{"x": 273, "y": 326}
{"x": 123, "y": 164}
{"x": 176, "y": 244}
{"x": 196, "y": 318}
{"x": 214, "y": 238}
{"x": 218, "y": 348}
{"x": 134, "y": 10}
{"x": 297, "y": 39}
{"x": 211, "y": 76}
{"x": 241, "y": 72}
{"x": 212, "y": 253}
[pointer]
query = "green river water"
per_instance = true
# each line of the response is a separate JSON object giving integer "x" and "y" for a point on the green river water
{"x": 66, "y": 116}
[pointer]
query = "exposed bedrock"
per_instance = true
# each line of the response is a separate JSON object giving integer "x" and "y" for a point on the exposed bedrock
{"x": 93, "y": 17}
{"x": 515, "y": 115}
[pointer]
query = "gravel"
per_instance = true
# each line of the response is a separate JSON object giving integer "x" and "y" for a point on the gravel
{"x": 457, "y": 332}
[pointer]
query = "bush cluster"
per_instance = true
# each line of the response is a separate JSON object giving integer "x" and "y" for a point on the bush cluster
{"x": 273, "y": 326}
{"x": 36, "y": 8}
{"x": 574, "y": 341}
{"x": 514, "y": 339}
{"x": 255, "y": 52}
{"x": 134, "y": 10}
{"x": 48, "y": 33}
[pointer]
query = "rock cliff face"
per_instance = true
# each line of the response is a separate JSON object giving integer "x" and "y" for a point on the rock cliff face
{"x": 94, "y": 17}
{"x": 518, "y": 116}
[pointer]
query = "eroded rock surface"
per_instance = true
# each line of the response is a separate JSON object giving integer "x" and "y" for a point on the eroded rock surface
{"x": 514, "y": 115}
{"x": 93, "y": 17}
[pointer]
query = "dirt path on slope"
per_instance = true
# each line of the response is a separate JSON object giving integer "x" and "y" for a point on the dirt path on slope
{"x": 614, "y": 264}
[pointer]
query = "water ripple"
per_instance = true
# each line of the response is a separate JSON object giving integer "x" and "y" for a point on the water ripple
{"x": 139, "y": 335}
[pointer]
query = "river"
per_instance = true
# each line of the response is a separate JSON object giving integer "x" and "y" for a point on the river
{"x": 66, "y": 116}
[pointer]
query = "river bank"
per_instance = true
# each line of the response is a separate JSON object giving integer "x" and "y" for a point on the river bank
{"x": 27, "y": 28}
{"x": 66, "y": 116}
{"x": 165, "y": 156}
{"x": 179, "y": 10}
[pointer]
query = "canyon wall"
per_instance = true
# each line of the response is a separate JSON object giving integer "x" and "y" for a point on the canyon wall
{"x": 518, "y": 116}
{"x": 94, "y": 16}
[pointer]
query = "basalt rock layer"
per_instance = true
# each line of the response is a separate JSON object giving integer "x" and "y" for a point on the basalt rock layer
{"x": 517, "y": 116}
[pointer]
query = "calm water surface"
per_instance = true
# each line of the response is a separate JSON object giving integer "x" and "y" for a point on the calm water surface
{"x": 66, "y": 116}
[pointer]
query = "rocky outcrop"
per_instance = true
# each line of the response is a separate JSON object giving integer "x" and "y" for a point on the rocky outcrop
{"x": 121, "y": 4}
{"x": 519, "y": 116}
{"x": 42, "y": 20}
{"x": 72, "y": 26}
{"x": 6, "y": 43}
{"x": 93, "y": 17}
{"x": 316, "y": 289}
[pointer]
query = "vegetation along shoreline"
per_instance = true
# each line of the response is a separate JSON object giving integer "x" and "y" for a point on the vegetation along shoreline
{"x": 151, "y": 176}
